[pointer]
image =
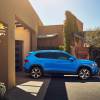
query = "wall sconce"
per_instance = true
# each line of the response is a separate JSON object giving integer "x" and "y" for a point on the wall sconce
{"x": 3, "y": 29}
{"x": 2, "y": 34}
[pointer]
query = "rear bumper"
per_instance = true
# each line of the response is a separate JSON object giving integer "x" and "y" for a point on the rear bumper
{"x": 99, "y": 72}
{"x": 26, "y": 70}
{"x": 27, "y": 67}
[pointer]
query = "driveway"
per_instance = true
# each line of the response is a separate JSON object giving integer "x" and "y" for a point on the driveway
{"x": 55, "y": 88}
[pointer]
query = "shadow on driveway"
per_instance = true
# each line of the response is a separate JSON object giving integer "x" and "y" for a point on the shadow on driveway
{"x": 56, "y": 89}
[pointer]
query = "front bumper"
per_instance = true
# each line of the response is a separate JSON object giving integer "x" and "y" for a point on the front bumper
{"x": 99, "y": 72}
{"x": 95, "y": 71}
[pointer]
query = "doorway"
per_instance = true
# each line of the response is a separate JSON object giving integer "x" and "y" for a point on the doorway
{"x": 19, "y": 55}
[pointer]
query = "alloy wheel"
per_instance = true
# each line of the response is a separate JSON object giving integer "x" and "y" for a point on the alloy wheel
{"x": 36, "y": 72}
{"x": 84, "y": 73}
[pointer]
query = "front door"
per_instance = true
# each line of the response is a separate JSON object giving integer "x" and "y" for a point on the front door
{"x": 61, "y": 62}
{"x": 19, "y": 54}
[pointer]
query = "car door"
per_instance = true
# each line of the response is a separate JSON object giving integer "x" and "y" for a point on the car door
{"x": 45, "y": 59}
{"x": 56, "y": 61}
{"x": 62, "y": 63}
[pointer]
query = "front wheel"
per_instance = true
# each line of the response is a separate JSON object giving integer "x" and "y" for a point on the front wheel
{"x": 84, "y": 73}
{"x": 36, "y": 72}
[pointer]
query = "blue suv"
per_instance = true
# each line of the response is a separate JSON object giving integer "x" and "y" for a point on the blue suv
{"x": 38, "y": 63}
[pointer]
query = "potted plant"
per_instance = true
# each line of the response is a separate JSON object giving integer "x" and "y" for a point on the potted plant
{"x": 2, "y": 90}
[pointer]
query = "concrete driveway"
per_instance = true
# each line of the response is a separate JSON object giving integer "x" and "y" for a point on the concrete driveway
{"x": 55, "y": 88}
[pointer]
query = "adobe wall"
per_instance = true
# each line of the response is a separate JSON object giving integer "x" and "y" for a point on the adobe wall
{"x": 9, "y": 11}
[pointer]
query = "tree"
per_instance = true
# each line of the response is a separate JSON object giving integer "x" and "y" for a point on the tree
{"x": 70, "y": 26}
{"x": 93, "y": 38}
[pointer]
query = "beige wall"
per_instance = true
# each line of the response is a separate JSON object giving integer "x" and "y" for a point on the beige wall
{"x": 24, "y": 35}
{"x": 22, "y": 10}
{"x": 70, "y": 16}
{"x": 50, "y": 29}
{"x": 54, "y": 41}
{"x": 80, "y": 25}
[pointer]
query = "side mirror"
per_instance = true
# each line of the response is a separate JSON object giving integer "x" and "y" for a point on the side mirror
{"x": 71, "y": 59}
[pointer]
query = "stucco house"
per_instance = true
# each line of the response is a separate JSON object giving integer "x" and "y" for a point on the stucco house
{"x": 21, "y": 31}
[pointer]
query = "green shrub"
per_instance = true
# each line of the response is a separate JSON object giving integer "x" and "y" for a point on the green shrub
{"x": 61, "y": 47}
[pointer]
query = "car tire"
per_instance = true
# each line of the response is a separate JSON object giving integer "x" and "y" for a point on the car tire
{"x": 36, "y": 72}
{"x": 84, "y": 73}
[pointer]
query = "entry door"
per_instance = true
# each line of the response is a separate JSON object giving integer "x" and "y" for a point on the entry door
{"x": 19, "y": 54}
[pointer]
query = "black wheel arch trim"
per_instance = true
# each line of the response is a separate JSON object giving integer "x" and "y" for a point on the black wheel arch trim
{"x": 38, "y": 65}
{"x": 84, "y": 66}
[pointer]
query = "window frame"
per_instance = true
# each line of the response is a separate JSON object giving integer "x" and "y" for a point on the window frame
{"x": 52, "y": 54}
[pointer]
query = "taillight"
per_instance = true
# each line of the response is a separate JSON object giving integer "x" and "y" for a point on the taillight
{"x": 26, "y": 61}
{"x": 27, "y": 55}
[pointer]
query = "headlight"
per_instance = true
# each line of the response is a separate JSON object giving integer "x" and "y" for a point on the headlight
{"x": 94, "y": 64}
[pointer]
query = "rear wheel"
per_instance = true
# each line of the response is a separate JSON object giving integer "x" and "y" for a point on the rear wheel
{"x": 84, "y": 73}
{"x": 36, "y": 72}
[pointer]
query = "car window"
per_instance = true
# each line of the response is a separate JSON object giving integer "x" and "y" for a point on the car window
{"x": 58, "y": 55}
{"x": 53, "y": 55}
{"x": 44, "y": 55}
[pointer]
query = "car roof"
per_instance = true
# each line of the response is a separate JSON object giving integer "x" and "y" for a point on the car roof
{"x": 42, "y": 51}
{"x": 49, "y": 51}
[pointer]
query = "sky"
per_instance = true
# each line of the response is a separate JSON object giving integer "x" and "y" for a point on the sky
{"x": 52, "y": 12}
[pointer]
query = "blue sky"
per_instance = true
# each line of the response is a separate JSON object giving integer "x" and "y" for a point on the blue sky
{"x": 52, "y": 12}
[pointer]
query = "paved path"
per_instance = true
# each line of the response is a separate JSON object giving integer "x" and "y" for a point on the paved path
{"x": 88, "y": 90}
{"x": 55, "y": 88}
